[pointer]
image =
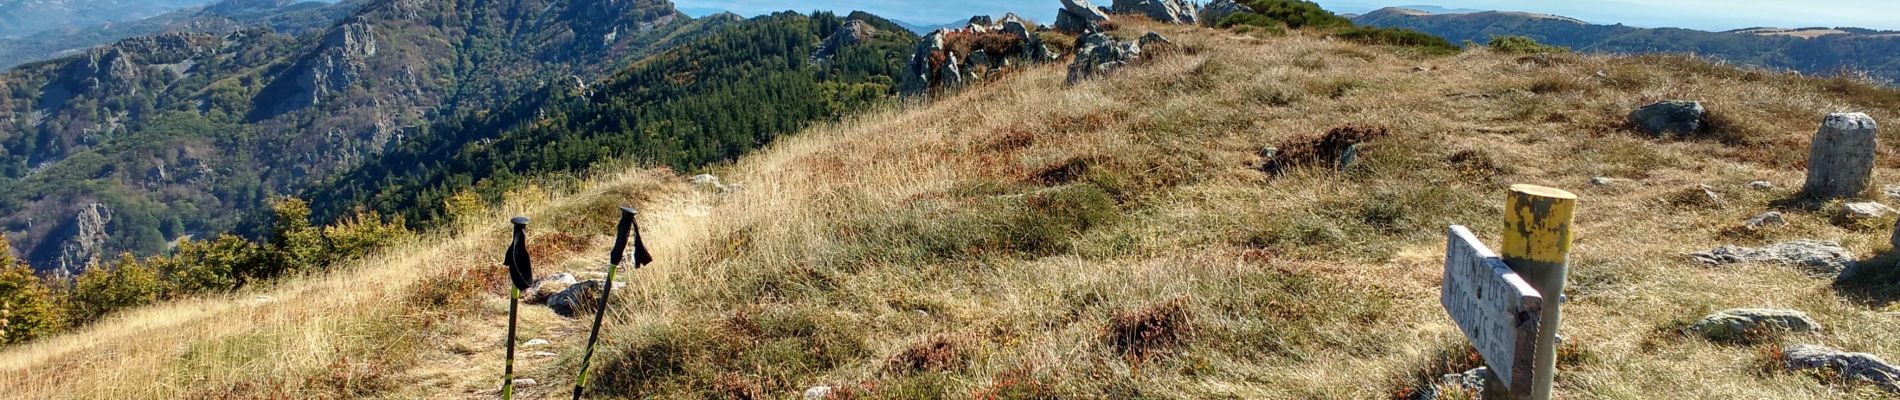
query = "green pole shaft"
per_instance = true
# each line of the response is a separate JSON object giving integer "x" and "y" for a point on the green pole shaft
{"x": 600, "y": 314}
{"x": 508, "y": 368}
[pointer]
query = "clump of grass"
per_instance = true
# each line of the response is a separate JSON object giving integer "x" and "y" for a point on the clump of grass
{"x": 772, "y": 349}
{"x": 1151, "y": 332}
{"x": 1323, "y": 150}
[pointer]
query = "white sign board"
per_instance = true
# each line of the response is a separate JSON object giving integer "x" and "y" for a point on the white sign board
{"x": 1494, "y": 307}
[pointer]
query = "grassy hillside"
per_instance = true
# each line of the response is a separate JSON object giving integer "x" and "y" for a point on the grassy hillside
{"x": 1113, "y": 239}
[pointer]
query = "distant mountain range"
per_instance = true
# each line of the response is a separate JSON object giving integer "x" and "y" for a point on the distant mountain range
{"x": 25, "y": 17}
{"x": 291, "y": 17}
{"x": 1816, "y": 51}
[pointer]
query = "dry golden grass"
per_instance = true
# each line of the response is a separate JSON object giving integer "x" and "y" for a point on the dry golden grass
{"x": 993, "y": 238}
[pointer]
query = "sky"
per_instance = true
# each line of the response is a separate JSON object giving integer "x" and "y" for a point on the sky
{"x": 1713, "y": 15}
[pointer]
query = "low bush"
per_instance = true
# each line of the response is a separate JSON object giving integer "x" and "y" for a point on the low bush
{"x": 1399, "y": 37}
{"x": 1522, "y": 45}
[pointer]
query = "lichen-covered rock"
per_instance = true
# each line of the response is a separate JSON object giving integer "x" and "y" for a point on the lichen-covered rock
{"x": 1177, "y": 12}
{"x": 1098, "y": 54}
{"x": 1856, "y": 366}
{"x": 1841, "y": 159}
{"x": 1078, "y": 16}
{"x": 1212, "y": 13}
{"x": 1820, "y": 257}
{"x": 1744, "y": 322}
{"x": 1673, "y": 117}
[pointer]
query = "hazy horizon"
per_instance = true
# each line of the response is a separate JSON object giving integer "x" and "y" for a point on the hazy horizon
{"x": 1709, "y": 16}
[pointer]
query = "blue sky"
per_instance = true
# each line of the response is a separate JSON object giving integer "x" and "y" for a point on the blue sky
{"x": 1705, "y": 14}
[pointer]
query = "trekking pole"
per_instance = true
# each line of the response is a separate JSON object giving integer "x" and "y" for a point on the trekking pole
{"x": 628, "y": 227}
{"x": 519, "y": 271}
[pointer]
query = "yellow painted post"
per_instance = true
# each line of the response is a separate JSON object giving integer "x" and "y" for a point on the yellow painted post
{"x": 1537, "y": 246}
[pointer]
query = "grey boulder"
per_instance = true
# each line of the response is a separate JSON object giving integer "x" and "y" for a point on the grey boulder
{"x": 1672, "y": 117}
{"x": 580, "y": 299}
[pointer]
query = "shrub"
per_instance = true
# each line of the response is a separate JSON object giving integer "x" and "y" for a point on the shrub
{"x": 464, "y": 205}
{"x": 298, "y": 244}
{"x": 27, "y": 310}
{"x": 1398, "y": 37}
{"x": 103, "y": 289}
{"x": 1522, "y": 45}
{"x": 217, "y": 265}
{"x": 1293, "y": 14}
{"x": 357, "y": 235}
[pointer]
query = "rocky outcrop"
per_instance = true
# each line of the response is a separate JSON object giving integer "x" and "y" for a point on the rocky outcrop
{"x": 1078, "y": 16}
{"x": 1035, "y": 48}
{"x": 88, "y": 241}
{"x": 1170, "y": 11}
{"x": 1854, "y": 366}
{"x": 1742, "y": 323}
{"x": 341, "y": 63}
{"x": 1821, "y": 257}
{"x": 1666, "y": 118}
{"x": 936, "y": 63}
{"x": 1214, "y": 12}
{"x": 852, "y": 33}
{"x": 1097, "y": 54}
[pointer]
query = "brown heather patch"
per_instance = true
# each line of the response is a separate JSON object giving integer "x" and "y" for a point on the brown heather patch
{"x": 1322, "y": 150}
{"x": 936, "y": 354}
{"x": 1151, "y": 331}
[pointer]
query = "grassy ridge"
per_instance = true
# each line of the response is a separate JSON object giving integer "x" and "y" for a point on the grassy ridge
{"x": 1112, "y": 239}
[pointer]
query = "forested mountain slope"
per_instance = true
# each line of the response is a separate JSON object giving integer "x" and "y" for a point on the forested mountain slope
{"x": 181, "y": 134}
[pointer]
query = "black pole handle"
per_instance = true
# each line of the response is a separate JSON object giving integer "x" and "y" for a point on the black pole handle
{"x": 520, "y": 269}
{"x": 621, "y": 233}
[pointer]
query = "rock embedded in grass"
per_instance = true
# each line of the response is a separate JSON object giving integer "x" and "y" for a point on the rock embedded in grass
{"x": 1771, "y": 219}
{"x": 1740, "y": 323}
{"x": 535, "y": 343}
{"x": 1855, "y": 366}
{"x": 1671, "y": 117}
{"x": 817, "y": 393}
{"x": 579, "y": 299}
{"x": 1761, "y": 185}
{"x": 1865, "y": 211}
{"x": 548, "y": 286}
{"x": 1815, "y": 256}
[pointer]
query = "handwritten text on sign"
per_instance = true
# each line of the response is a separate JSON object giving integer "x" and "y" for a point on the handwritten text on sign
{"x": 1494, "y": 307}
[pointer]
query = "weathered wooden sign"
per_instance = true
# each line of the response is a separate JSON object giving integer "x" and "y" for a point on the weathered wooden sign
{"x": 1496, "y": 309}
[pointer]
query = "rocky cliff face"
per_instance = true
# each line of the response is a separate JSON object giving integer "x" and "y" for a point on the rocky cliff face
{"x": 88, "y": 241}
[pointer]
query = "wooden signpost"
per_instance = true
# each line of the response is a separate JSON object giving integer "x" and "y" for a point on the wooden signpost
{"x": 1494, "y": 307}
{"x": 1510, "y": 307}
